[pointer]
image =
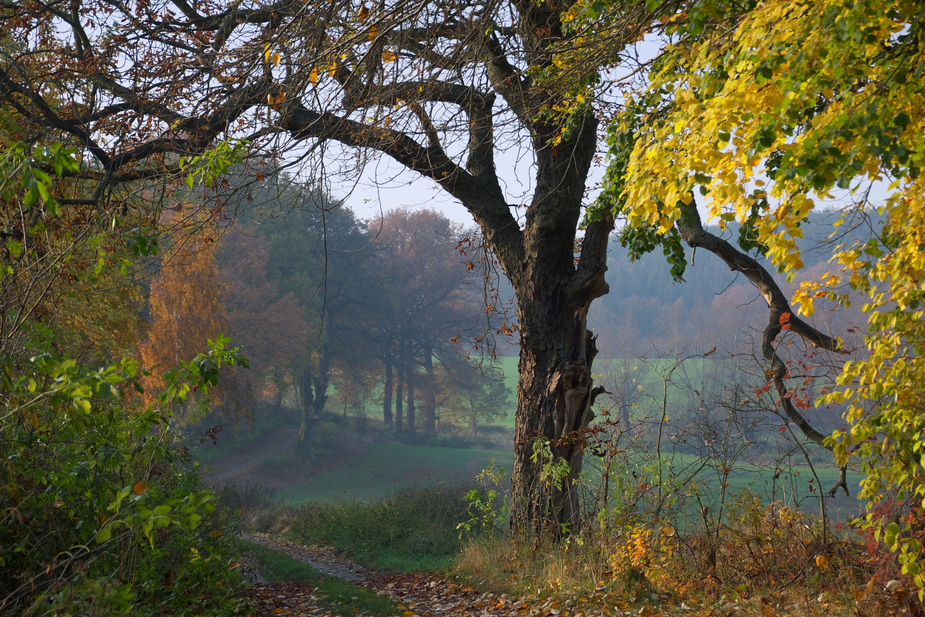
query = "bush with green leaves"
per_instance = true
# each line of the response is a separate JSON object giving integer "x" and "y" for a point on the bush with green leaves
{"x": 488, "y": 502}
{"x": 102, "y": 514}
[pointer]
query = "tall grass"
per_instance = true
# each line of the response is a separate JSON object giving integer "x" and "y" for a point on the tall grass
{"x": 764, "y": 558}
{"x": 414, "y": 529}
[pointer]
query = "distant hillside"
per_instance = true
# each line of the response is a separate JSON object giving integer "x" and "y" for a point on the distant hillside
{"x": 646, "y": 310}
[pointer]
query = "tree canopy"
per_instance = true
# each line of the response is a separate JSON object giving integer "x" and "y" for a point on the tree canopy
{"x": 769, "y": 112}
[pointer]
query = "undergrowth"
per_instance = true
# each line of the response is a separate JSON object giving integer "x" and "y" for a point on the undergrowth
{"x": 765, "y": 560}
{"x": 762, "y": 560}
{"x": 414, "y": 529}
{"x": 102, "y": 513}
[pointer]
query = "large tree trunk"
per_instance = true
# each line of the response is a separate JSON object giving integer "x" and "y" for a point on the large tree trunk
{"x": 553, "y": 409}
{"x": 554, "y": 291}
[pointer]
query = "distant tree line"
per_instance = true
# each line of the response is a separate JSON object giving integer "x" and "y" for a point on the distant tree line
{"x": 333, "y": 312}
{"x": 655, "y": 313}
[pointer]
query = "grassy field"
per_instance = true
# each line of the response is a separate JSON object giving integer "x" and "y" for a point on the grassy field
{"x": 509, "y": 366}
{"x": 646, "y": 374}
{"x": 384, "y": 468}
{"x": 793, "y": 486}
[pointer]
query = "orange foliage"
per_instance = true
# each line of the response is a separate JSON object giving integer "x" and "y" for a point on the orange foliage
{"x": 185, "y": 310}
{"x": 269, "y": 326}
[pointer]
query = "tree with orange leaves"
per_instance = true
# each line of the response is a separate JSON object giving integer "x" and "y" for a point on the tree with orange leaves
{"x": 184, "y": 305}
{"x": 269, "y": 325}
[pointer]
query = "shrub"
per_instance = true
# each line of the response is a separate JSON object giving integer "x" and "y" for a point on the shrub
{"x": 105, "y": 516}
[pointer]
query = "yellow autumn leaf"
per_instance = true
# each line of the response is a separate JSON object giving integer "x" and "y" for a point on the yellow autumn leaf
{"x": 373, "y": 32}
{"x": 332, "y": 70}
{"x": 275, "y": 58}
{"x": 266, "y": 52}
{"x": 313, "y": 76}
{"x": 388, "y": 56}
{"x": 821, "y": 561}
{"x": 140, "y": 487}
{"x": 363, "y": 13}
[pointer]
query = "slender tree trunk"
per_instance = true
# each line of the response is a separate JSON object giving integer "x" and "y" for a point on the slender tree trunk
{"x": 399, "y": 393}
{"x": 306, "y": 404}
{"x": 412, "y": 408}
{"x": 429, "y": 396}
{"x": 322, "y": 379}
{"x": 387, "y": 392}
{"x": 279, "y": 393}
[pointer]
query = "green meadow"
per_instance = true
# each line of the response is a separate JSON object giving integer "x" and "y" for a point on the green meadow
{"x": 385, "y": 468}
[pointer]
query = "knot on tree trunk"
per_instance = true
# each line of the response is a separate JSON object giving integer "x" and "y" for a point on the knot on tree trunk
{"x": 571, "y": 383}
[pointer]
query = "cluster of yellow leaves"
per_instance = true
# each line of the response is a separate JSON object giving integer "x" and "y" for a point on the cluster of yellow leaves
{"x": 270, "y": 56}
{"x": 766, "y": 118}
{"x": 738, "y": 99}
{"x": 647, "y": 551}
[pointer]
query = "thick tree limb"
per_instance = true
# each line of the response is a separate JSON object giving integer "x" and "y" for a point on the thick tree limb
{"x": 781, "y": 315}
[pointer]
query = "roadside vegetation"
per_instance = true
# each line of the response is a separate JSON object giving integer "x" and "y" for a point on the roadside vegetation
{"x": 766, "y": 558}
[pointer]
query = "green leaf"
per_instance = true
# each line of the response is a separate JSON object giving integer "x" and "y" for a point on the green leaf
{"x": 41, "y": 176}
{"x": 31, "y": 197}
{"x": 103, "y": 534}
{"x": 15, "y": 248}
{"x": 43, "y": 191}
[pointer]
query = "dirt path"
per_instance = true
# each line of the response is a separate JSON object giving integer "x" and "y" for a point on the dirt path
{"x": 247, "y": 465}
{"x": 235, "y": 466}
{"x": 416, "y": 594}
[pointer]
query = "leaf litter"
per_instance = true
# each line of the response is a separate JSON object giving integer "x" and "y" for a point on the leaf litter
{"x": 431, "y": 595}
